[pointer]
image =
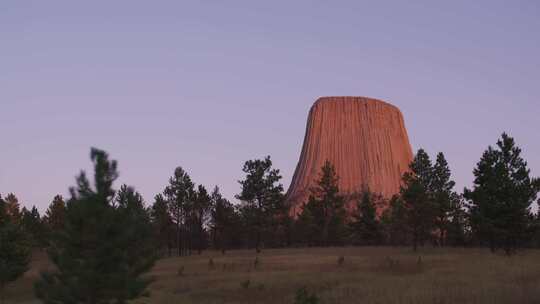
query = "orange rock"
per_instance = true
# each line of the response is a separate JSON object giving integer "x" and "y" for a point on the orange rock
{"x": 365, "y": 139}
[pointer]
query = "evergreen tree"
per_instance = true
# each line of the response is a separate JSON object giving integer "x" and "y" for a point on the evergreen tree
{"x": 3, "y": 211}
{"x": 457, "y": 227}
{"x": 33, "y": 226}
{"x": 222, "y": 221}
{"x": 201, "y": 215}
{"x": 535, "y": 241}
{"x": 394, "y": 222}
{"x": 102, "y": 253}
{"x": 163, "y": 224}
{"x": 13, "y": 208}
{"x": 309, "y": 223}
{"x": 501, "y": 197}
{"x": 24, "y": 213}
{"x": 55, "y": 215}
{"x": 326, "y": 206}
{"x": 443, "y": 196}
{"x": 14, "y": 249}
{"x": 180, "y": 194}
{"x": 286, "y": 226}
{"x": 417, "y": 198}
{"x": 262, "y": 196}
{"x": 365, "y": 227}
{"x": 136, "y": 237}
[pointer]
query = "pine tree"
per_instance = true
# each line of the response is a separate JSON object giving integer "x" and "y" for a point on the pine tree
{"x": 33, "y": 226}
{"x": 365, "y": 227}
{"x": 394, "y": 222}
{"x": 14, "y": 249}
{"x": 136, "y": 237}
{"x": 102, "y": 254}
{"x": 3, "y": 211}
{"x": 163, "y": 224}
{"x": 443, "y": 194}
{"x": 262, "y": 196}
{"x": 457, "y": 227}
{"x": 180, "y": 194}
{"x": 535, "y": 241}
{"x": 13, "y": 208}
{"x": 310, "y": 223}
{"x": 55, "y": 215}
{"x": 326, "y": 205}
{"x": 222, "y": 221}
{"x": 417, "y": 198}
{"x": 201, "y": 215}
{"x": 501, "y": 197}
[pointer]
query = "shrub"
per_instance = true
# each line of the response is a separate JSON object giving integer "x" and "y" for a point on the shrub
{"x": 245, "y": 284}
{"x": 303, "y": 296}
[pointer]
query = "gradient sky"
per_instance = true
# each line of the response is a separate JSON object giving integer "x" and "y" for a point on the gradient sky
{"x": 209, "y": 84}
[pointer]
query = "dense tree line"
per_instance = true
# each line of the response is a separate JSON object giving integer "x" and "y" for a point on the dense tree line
{"x": 102, "y": 241}
{"x": 427, "y": 210}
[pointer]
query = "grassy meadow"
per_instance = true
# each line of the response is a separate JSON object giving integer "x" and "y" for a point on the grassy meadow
{"x": 364, "y": 275}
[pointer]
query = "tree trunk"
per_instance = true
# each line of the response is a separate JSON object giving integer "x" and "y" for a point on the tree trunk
{"x": 325, "y": 226}
{"x": 179, "y": 237}
{"x": 201, "y": 236}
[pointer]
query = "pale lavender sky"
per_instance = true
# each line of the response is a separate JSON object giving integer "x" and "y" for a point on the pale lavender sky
{"x": 209, "y": 84}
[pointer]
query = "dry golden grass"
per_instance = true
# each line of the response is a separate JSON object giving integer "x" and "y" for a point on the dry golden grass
{"x": 365, "y": 275}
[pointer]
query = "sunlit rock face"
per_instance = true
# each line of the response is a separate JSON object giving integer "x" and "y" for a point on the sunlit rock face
{"x": 365, "y": 139}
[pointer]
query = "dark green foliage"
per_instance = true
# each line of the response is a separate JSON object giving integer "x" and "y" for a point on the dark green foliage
{"x": 14, "y": 249}
{"x": 394, "y": 222}
{"x": 457, "y": 226}
{"x": 245, "y": 284}
{"x": 33, "y": 226}
{"x": 428, "y": 208}
{"x": 444, "y": 198}
{"x": 180, "y": 195}
{"x": 189, "y": 211}
{"x": 535, "y": 240}
{"x": 501, "y": 197}
{"x": 136, "y": 238}
{"x": 365, "y": 227}
{"x": 13, "y": 208}
{"x": 3, "y": 212}
{"x": 303, "y": 296}
{"x": 202, "y": 206}
{"x": 223, "y": 220}
{"x": 306, "y": 228}
{"x": 105, "y": 248}
{"x": 323, "y": 217}
{"x": 417, "y": 198}
{"x": 262, "y": 198}
{"x": 55, "y": 215}
{"x": 162, "y": 224}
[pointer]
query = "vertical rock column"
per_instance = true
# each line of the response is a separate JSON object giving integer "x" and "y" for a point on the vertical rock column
{"x": 365, "y": 139}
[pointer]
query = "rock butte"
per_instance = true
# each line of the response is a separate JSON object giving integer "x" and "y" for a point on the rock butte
{"x": 365, "y": 139}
